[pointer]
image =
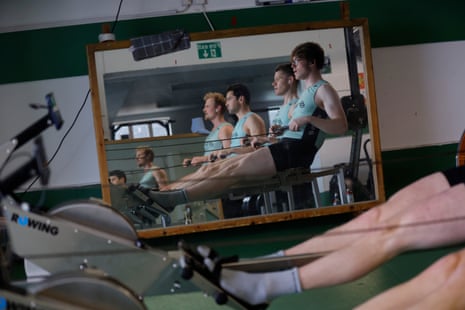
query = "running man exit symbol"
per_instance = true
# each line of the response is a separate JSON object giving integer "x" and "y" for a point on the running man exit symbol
{"x": 209, "y": 50}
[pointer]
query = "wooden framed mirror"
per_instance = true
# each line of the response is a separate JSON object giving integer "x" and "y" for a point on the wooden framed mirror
{"x": 166, "y": 92}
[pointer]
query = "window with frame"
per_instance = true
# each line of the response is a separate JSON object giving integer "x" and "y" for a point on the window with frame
{"x": 142, "y": 129}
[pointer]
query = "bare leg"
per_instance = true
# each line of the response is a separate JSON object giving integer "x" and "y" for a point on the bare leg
{"x": 258, "y": 165}
{"x": 203, "y": 172}
{"x": 410, "y": 223}
{"x": 400, "y": 202}
{"x": 216, "y": 179}
{"x": 404, "y": 234}
{"x": 191, "y": 177}
{"x": 440, "y": 286}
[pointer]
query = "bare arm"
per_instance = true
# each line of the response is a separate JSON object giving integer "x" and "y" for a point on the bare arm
{"x": 195, "y": 161}
{"x": 161, "y": 176}
{"x": 225, "y": 135}
{"x": 253, "y": 127}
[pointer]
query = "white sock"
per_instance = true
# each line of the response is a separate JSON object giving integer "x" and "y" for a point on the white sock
{"x": 168, "y": 200}
{"x": 259, "y": 288}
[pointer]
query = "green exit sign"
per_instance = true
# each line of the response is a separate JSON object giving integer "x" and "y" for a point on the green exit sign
{"x": 209, "y": 50}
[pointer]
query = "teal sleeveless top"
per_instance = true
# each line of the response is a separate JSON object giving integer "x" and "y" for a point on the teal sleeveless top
{"x": 239, "y": 132}
{"x": 282, "y": 117}
{"x": 306, "y": 106}
{"x": 148, "y": 181}
{"x": 213, "y": 142}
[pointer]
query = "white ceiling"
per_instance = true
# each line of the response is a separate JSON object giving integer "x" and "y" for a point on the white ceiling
{"x": 160, "y": 91}
{"x": 19, "y": 15}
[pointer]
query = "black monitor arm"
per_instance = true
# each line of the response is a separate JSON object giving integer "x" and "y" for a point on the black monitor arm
{"x": 38, "y": 165}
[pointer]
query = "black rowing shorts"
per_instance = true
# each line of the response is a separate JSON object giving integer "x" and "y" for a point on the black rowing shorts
{"x": 292, "y": 153}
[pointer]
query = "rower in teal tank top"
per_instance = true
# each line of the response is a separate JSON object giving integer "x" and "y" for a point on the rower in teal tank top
{"x": 213, "y": 141}
{"x": 282, "y": 117}
{"x": 306, "y": 106}
{"x": 238, "y": 132}
{"x": 149, "y": 181}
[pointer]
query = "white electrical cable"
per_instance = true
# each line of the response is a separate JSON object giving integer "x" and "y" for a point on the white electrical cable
{"x": 206, "y": 17}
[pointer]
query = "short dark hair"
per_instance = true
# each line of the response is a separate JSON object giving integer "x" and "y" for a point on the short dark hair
{"x": 240, "y": 90}
{"x": 118, "y": 173}
{"x": 286, "y": 68}
{"x": 310, "y": 51}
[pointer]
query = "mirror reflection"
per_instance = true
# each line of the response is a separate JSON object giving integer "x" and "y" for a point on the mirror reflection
{"x": 159, "y": 105}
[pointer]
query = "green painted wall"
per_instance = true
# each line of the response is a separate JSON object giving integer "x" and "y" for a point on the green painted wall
{"x": 402, "y": 167}
{"x": 53, "y": 197}
{"x": 60, "y": 52}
